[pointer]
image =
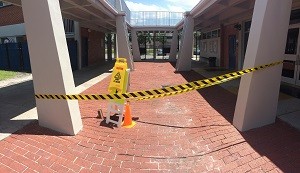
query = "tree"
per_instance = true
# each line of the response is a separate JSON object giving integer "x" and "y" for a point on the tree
{"x": 144, "y": 39}
{"x": 161, "y": 37}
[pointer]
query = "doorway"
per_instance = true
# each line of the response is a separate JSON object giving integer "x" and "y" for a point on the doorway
{"x": 232, "y": 51}
{"x": 291, "y": 63}
{"x": 85, "y": 49}
{"x": 154, "y": 44}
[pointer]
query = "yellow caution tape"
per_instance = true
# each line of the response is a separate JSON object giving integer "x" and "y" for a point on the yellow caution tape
{"x": 189, "y": 89}
{"x": 157, "y": 93}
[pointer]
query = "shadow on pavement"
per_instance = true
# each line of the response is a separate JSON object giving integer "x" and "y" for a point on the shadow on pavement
{"x": 16, "y": 100}
{"x": 86, "y": 74}
{"x": 33, "y": 128}
{"x": 19, "y": 98}
{"x": 279, "y": 142}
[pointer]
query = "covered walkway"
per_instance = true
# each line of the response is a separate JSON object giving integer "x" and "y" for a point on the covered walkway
{"x": 18, "y": 107}
{"x": 192, "y": 132}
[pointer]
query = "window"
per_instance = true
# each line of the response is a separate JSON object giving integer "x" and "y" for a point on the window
{"x": 211, "y": 34}
{"x": 288, "y": 69}
{"x": 214, "y": 34}
{"x": 246, "y": 34}
{"x": 204, "y": 36}
{"x": 68, "y": 25}
{"x": 247, "y": 26}
{"x": 208, "y": 35}
{"x": 292, "y": 41}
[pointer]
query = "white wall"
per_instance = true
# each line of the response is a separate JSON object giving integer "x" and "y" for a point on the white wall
{"x": 12, "y": 30}
{"x": 210, "y": 48}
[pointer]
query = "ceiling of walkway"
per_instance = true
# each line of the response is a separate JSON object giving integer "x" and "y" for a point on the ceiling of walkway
{"x": 98, "y": 15}
{"x": 94, "y": 14}
{"x": 218, "y": 12}
{"x": 223, "y": 11}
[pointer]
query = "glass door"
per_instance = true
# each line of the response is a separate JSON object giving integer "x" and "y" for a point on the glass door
{"x": 290, "y": 71}
{"x": 298, "y": 71}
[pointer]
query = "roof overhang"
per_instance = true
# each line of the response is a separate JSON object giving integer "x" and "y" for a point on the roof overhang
{"x": 210, "y": 14}
{"x": 94, "y": 14}
{"x": 219, "y": 12}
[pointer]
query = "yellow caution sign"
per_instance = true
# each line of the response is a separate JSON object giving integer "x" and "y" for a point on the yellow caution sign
{"x": 119, "y": 79}
{"x": 118, "y": 82}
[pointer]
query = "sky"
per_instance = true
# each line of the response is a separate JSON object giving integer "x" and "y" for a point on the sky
{"x": 161, "y": 5}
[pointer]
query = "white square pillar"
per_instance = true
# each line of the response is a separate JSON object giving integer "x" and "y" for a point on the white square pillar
{"x": 135, "y": 46}
{"x": 174, "y": 46}
{"x": 258, "y": 93}
{"x": 51, "y": 67}
{"x": 186, "y": 49}
{"x": 122, "y": 40}
{"x": 77, "y": 32}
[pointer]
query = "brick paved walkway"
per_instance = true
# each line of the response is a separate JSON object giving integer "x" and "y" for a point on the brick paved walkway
{"x": 185, "y": 133}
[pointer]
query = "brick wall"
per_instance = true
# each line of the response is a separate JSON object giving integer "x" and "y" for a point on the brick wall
{"x": 11, "y": 15}
{"x": 96, "y": 49}
{"x": 227, "y": 31}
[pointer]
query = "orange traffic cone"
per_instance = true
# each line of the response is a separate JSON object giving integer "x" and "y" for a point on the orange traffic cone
{"x": 128, "y": 123}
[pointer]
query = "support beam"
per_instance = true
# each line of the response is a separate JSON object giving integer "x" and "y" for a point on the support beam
{"x": 123, "y": 41}
{"x": 186, "y": 51}
{"x": 84, "y": 23}
{"x": 77, "y": 31}
{"x": 154, "y": 45}
{"x": 174, "y": 46}
{"x": 115, "y": 47}
{"x": 51, "y": 67}
{"x": 109, "y": 47}
{"x": 93, "y": 13}
{"x": 118, "y": 5}
{"x": 258, "y": 94}
{"x": 135, "y": 46}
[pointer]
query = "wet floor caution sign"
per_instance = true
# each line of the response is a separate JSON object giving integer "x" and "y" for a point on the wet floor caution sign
{"x": 119, "y": 84}
{"x": 119, "y": 78}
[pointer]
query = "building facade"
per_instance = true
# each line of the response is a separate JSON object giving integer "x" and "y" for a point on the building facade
{"x": 239, "y": 33}
{"x": 228, "y": 40}
{"x": 90, "y": 50}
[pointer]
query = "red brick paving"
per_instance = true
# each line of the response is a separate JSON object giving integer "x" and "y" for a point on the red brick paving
{"x": 186, "y": 133}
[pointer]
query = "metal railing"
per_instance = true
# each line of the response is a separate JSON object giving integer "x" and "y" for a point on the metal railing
{"x": 124, "y": 8}
{"x": 112, "y": 2}
{"x": 149, "y": 18}
{"x": 127, "y": 11}
{"x": 155, "y": 18}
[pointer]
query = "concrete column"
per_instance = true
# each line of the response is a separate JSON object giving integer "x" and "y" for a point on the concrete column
{"x": 154, "y": 44}
{"x": 115, "y": 47}
{"x": 258, "y": 94}
{"x": 118, "y": 5}
{"x": 77, "y": 32}
{"x": 174, "y": 46}
{"x": 109, "y": 47}
{"x": 186, "y": 51}
{"x": 135, "y": 46}
{"x": 51, "y": 67}
{"x": 122, "y": 40}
